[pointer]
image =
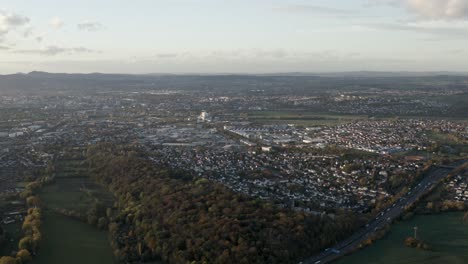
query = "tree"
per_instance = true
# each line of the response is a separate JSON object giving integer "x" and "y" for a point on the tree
{"x": 26, "y": 243}
{"x": 92, "y": 219}
{"x": 7, "y": 260}
{"x": 102, "y": 223}
{"x": 411, "y": 242}
{"x": 33, "y": 201}
{"x": 160, "y": 215}
{"x": 24, "y": 256}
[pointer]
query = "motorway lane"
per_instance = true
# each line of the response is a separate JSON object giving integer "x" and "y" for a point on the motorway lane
{"x": 434, "y": 175}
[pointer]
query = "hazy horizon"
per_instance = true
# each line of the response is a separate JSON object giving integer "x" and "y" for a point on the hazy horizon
{"x": 326, "y": 73}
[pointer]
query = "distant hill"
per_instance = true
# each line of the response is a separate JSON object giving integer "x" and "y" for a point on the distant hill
{"x": 38, "y": 82}
{"x": 371, "y": 74}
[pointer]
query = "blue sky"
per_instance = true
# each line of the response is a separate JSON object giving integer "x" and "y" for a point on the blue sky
{"x": 212, "y": 36}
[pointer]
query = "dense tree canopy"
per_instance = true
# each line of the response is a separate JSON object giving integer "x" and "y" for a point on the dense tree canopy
{"x": 7, "y": 260}
{"x": 171, "y": 216}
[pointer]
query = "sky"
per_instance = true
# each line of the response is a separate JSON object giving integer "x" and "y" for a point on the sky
{"x": 233, "y": 36}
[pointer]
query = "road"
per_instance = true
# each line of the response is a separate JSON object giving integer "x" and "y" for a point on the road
{"x": 431, "y": 179}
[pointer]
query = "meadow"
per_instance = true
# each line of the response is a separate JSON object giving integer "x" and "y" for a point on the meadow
{"x": 73, "y": 242}
{"x": 67, "y": 240}
{"x": 446, "y": 233}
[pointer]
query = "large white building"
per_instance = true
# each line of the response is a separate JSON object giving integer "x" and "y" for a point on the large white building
{"x": 204, "y": 117}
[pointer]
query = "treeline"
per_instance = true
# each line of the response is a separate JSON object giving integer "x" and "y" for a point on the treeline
{"x": 29, "y": 244}
{"x": 444, "y": 206}
{"x": 170, "y": 216}
{"x": 33, "y": 187}
{"x": 32, "y": 233}
{"x": 416, "y": 243}
{"x": 97, "y": 215}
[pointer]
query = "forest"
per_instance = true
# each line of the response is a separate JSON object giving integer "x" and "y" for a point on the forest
{"x": 170, "y": 216}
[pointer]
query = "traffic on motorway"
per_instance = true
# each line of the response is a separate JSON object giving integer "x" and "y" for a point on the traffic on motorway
{"x": 431, "y": 179}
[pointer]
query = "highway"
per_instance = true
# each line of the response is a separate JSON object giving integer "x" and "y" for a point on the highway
{"x": 432, "y": 177}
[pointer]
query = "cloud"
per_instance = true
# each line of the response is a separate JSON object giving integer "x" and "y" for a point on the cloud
{"x": 377, "y": 3}
{"x": 27, "y": 32}
{"x": 10, "y": 21}
{"x": 439, "y": 9}
{"x": 4, "y": 48}
{"x": 90, "y": 26}
{"x": 312, "y": 9}
{"x": 445, "y": 30}
{"x": 244, "y": 55}
{"x": 166, "y": 55}
{"x": 427, "y": 9}
{"x": 56, "y": 22}
{"x": 456, "y": 51}
{"x": 55, "y": 50}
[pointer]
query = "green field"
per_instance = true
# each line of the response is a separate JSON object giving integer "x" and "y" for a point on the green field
{"x": 446, "y": 233}
{"x": 74, "y": 194}
{"x": 66, "y": 240}
{"x": 73, "y": 189}
{"x": 73, "y": 242}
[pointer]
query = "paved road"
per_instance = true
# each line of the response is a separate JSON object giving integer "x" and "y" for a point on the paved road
{"x": 432, "y": 178}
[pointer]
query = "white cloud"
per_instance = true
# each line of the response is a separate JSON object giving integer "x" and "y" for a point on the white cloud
{"x": 312, "y": 9}
{"x": 251, "y": 55}
{"x": 441, "y": 30}
{"x": 28, "y": 31}
{"x": 166, "y": 55}
{"x": 439, "y": 9}
{"x": 10, "y": 21}
{"x": 90, "y": 26}
{"x": 55, "y": 50}
{"x": 56, "y": 22}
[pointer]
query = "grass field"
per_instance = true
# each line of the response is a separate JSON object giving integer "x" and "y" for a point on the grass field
{"x": 72, "y": 242}
{"x": 446, "y": 233}
{"x": 67, "y": 194}
{"x": 71, "y": 169}
{"x": 73, "y": 189}
{"x": 66, "y": 240}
